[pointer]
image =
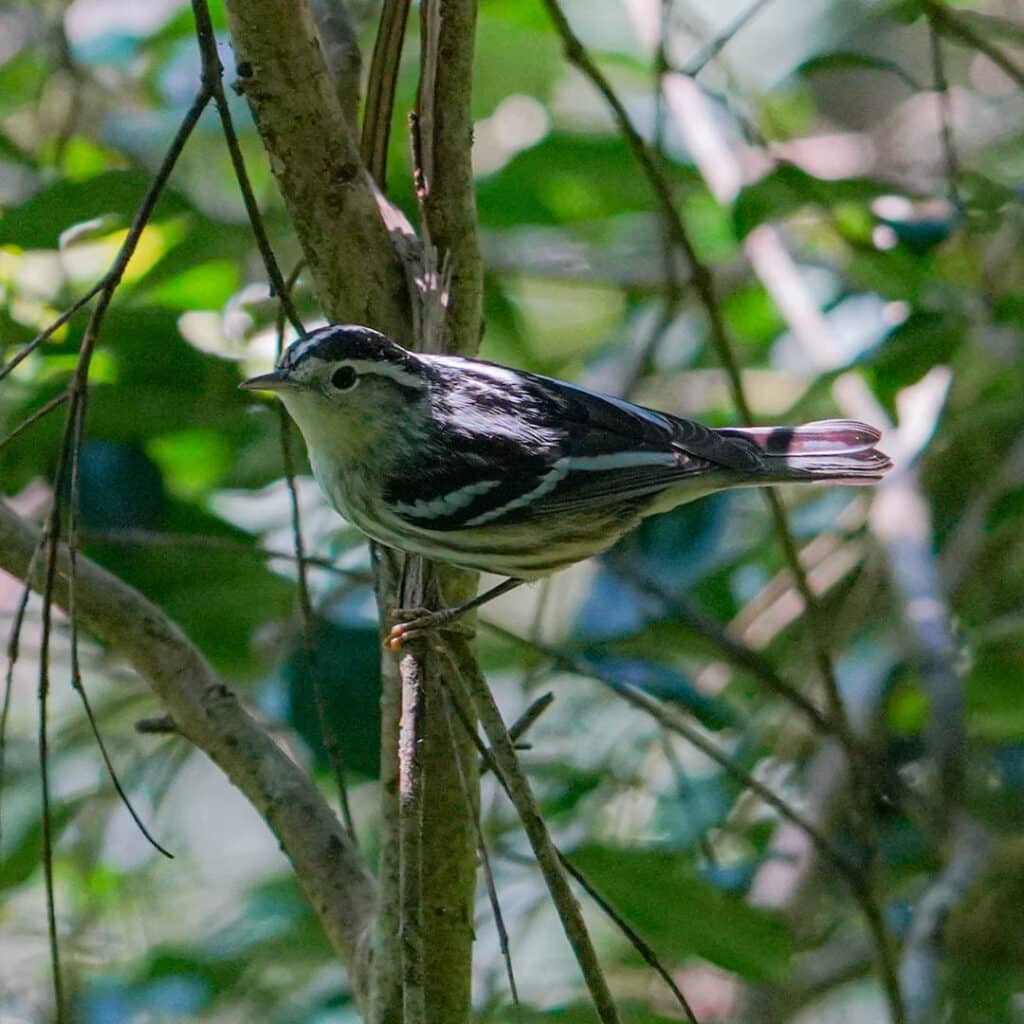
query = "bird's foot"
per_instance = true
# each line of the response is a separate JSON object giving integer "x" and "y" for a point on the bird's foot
{"x": 415, "y": 623}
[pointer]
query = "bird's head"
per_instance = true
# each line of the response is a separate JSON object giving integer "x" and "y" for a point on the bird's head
{"x": 345, "y": 384}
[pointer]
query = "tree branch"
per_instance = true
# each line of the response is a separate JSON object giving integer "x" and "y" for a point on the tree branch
{"x": 329, "y": 868}
{"x": 340, "y": 48}
{"x": 380, "y": 88}
{"x": 921, "y": 966}
{"x": 473, "y": 688}
{"x": 331, "y": 201}
{"x": 450, "y": 202}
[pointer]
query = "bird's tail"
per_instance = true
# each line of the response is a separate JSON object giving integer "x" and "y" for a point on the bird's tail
{"x": 838, "y": 451}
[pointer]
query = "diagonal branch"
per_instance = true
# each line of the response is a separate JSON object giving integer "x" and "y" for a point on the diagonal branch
{"x": 380, "y": 88}
{"x": 449, "y": 201}
{"x": 331, "y": 200}
{"x": 959, "y": 31}
{"x": 342, "y": 55}
{"x": 704, "y": 286}
{"x": 330, "y": 870}
{"x": 473, "y": 687}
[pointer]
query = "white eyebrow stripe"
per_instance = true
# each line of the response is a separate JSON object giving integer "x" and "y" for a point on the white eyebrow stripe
{"x": 385, "y": 369}
{"x": 438, "y": 508}
{"x": 548, "y": 483}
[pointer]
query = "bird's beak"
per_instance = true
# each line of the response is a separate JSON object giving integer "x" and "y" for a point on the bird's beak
{"x": 273, "y": 381}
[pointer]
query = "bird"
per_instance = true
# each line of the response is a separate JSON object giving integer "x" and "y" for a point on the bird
{"x": 491, "y": 468}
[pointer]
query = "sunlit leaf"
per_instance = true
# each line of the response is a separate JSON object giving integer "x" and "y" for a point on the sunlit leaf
{"x": 662, "y": 896}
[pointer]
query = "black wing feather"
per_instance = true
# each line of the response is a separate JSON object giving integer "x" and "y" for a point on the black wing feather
{"x": 494, "y": 424}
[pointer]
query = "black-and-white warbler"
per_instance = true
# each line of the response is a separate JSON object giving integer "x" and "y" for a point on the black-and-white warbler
{"x": 491, "y": 468}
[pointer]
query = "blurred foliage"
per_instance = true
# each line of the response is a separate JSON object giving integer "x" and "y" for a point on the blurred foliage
{"x": 914, "y": 266}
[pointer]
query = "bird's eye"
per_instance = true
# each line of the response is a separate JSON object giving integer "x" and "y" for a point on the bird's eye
{"x": 344, "y": 378}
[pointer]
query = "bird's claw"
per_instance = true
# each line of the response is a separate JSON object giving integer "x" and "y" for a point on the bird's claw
{"x": 415, "y": 623}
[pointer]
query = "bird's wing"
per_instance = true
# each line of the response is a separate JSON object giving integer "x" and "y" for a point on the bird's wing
{"x": 608, "y": 422}
{"x": 518, "y": 445}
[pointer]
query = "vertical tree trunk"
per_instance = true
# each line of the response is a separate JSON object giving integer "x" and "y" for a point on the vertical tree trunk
{"x": 358, "y": 276}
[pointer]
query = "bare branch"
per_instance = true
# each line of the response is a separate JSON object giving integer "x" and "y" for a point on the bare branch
{"x": 481, "y": 842}
{"x": 475, "y": 690}
{"x": 921, "y": 964}
{"x": 649, "y": 956}
{"x": 946, "y": 133}
{"x": 340, "y": 48}
{"x": 410, "y": 837}
{"x": 704, "y": 286}
{"x": 960, "y": 32}
{"x": 47, "y": 407}
{"x": 449, "y": 198}
{"x": 204, "y": 709}
{"x": 380, "y": 88}
{"x": 713, "y": 47}
{"x": 332, "y": 202}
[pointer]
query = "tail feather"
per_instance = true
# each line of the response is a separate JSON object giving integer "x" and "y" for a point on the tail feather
{"x": 839, "y": 451}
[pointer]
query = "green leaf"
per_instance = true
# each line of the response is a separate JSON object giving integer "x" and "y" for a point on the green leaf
{"x": 21, "y": 79}
{"x": 520, "y": 43}
{"x": 39, "y": 221}
{"x": 788, "y": 189}
{"x": 22, "y": 855}
{"x": 218, "y": 596}
{"x": 346, "y": 668}
{"x": 924, "y": 340}
{"x": 564, "y": 178}
{"x": 984, "y": 24}
{"x": 680, "y": 914}
{"x": 845, "y": 60}
{"x": 203, "y": 286}
{"x": 993, "y": 691}
{"x": 659, "y": 681}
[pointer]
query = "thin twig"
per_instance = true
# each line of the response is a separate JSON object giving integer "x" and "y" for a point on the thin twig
{"x": 174, "y": 540}
{"x": 506, "y": 766}
{"x": 13, "y": 650}
{"x": 713, "y": 47}
{"x": 212, "y": 80}
{"x": 26, "y": 350}
{"x": 487, "y": 756}
{"x": 941, "y": 86}
{"x": 327, "y": 732}
{"x": 54, "y": 403}
{"x": 734, "y": 650}
{"x": 669, "y": 718}
{"x": 481, "y": 845}
{"x": 672, "y": 295}
{"x": 410, "y": 838}
{"x": 50, "y": 539}
{"x": 672, "y": 720}
{"x": 77, "y": 683}
{"x": 380, "y": 88}
{"x": 638, "y": 942}
{"x": 525, "y": 721}
{"x": 704, "y": 286}
{"x": 282, "y": 289}
{"x": 42, "y": 693}
{"x": 960, "y": 32}
{"x": 339, "y": 887}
